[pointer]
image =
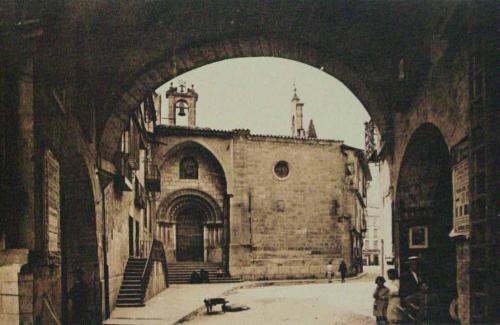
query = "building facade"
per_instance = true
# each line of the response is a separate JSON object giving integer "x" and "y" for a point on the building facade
{"x": 435, "y": 106}
{"x": 264, "y": 207}
{"x": 378, "y": 239}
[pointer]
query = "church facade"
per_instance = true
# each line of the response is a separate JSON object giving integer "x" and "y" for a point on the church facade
{"x": 261, "y": 206}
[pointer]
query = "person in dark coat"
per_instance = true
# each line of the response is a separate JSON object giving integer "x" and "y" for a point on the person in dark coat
{"x": 343, "y": 270}
{"x": 195, "y": 278}
{"x": 425, "y": 305}
{"x": 410, "y": 280}
{"x": 204, "y": 276}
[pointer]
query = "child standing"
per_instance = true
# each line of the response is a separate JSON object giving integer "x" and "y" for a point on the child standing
{"x": 381, "y": 296}
{"x": 329, "y": 271}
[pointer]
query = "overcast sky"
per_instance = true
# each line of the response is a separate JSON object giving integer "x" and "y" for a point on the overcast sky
{"x": 256, "y": 93}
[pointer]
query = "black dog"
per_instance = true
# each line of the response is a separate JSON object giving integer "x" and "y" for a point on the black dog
{"x": 210, "y": 302}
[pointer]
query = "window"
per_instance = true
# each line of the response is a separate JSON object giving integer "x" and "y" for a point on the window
{"x": 375, "y": 233}
{"x": 281, "y": 169}
{"x": 188, "y": 168}
{"x": 375, "y": 244}
{"x": 367, "y": 244}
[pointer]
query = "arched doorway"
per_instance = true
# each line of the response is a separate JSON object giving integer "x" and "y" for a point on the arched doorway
{"x": 425, "y": 210}
{"x": 79, "y": 239}
{"x": 192, "y": 227}
{"x": 189, "y": 234}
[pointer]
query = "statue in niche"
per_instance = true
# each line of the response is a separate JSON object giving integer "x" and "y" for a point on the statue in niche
{"x": 188, "y": 168}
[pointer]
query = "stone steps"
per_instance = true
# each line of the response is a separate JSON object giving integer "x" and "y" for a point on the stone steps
{"x": 180, "y": 272}
{"x": 131, "y": 293}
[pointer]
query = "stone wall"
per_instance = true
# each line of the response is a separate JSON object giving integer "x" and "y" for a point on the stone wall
{"x": 285, "y": 228}
{"x": 463, "y": 280}
{"x": 156, "y": 281}
{"x": 11, "y": 297}
{"x": 442, "y": 101}
{"x": 211, "y": 181}
{"x": 117, "y": 211}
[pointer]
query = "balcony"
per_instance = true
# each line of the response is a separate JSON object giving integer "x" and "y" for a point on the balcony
{"x": 152, "y": 178}
{"x": 123, "y": 177}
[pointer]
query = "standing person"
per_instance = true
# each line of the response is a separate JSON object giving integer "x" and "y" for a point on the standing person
{"x": 204, "y": 276}
{"x": 381, "y": 296}
{"x": 394, "y": 315}
{"x": 80, "y": 299}
{"x": 329, "y": 271}
{"x": 410, "y": 281}
{"x": 343, "y": 270}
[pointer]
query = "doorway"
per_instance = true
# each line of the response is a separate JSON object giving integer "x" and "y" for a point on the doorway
{"x": 425, "y": 208}
{"x": 137, "y": 251}
{"x": 130, "y": 236}
{"x": 189, "y": 235}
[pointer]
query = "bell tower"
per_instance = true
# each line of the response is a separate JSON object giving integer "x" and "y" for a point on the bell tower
{"x": 297, "y": 116}
{"x": 181, "y": 101}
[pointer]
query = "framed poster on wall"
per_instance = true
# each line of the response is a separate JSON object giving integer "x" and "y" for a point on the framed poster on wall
{"x": 418, "y": 237}
{"x": 461, "y": 195}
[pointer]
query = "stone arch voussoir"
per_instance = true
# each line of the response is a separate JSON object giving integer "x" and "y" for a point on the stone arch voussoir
{"x": 169, "y": 207}
{"x": 197, "y": 55}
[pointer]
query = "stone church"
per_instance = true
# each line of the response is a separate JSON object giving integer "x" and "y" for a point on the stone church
{"x": 259, "y": 206}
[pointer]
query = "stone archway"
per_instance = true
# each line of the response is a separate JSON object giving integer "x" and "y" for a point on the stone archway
{"x": 79, "y": 242}
{"x": 197, "y": 55}
{"x": 425, "y": 212}
{"x": 191, "y": 226}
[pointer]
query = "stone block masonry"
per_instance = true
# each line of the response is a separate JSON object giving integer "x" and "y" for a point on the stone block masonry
{"x": 287, "y": 225}
{"x": 283, "y": 223}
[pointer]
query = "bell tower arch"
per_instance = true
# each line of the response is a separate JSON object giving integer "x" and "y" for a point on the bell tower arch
{"x": 181, "y": 101}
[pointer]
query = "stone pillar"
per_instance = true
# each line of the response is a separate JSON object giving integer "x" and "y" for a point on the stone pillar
{"x": 192, "y": 113}
{"x": 205, "y": 243}
{"x": 174, "y": 237}
{"x": 16, "y": 294}
{"x": 171, "y": 110}
{"x": 226, "y": 232}
{"x": 25, "y": 214}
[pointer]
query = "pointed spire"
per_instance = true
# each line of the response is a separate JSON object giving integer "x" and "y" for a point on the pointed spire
{"x": 311, "y": 132}
{"x": 295, "y": 97}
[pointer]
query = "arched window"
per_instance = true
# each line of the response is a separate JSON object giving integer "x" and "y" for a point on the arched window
{"x": 188, "y": 168}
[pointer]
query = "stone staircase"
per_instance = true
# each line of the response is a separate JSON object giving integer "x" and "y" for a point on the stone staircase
{"x": 131, "y": 291}
{"x": 180, "y": 272}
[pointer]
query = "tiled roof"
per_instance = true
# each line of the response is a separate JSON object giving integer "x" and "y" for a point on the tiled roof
{"x": 164, "y": 130}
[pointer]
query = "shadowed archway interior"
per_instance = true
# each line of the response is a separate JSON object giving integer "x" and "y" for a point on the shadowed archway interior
{"x": 424, "y": 201}
{"x": 79, "y": 237}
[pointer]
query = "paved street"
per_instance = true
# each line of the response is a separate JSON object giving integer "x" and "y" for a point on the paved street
{"x": 323, "y": 303}
{"x": 281, "y": 303}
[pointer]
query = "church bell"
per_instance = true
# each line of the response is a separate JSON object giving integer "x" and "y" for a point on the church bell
{"x": 182, "y": 108}
{"x": 182, "y": 111}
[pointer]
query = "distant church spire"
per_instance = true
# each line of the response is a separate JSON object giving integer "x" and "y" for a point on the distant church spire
{"x": 295, "y": 97}
{"x": 311, "y": 132}
{"x": 297, "y": 116}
